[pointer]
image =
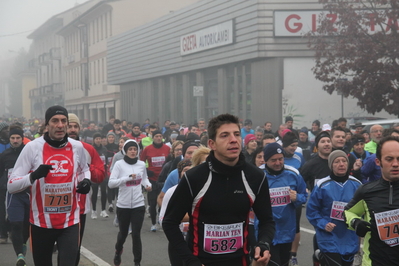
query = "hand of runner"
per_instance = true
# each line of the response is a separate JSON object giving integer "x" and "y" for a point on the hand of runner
{"x": 329, "y": 227}
{"x": 357, "y": 165}
{"x": 41, "y": 171}
{"x": 148, "y": 188}
{"x": 261, "y": 260}
{"x": 293, "y": 195}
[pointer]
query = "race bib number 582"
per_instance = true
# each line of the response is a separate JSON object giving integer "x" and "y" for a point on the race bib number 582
{"x": 223, "y": 238}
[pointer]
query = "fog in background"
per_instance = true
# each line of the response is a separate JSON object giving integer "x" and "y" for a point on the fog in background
{"x": 17, "y": 16}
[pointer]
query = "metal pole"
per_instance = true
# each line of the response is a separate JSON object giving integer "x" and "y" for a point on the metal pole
{"x": 342, "y": 105}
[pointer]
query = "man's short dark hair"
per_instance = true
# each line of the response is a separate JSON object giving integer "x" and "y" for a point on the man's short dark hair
{"x": 342, "y": 119}
{"x": 267, "y": 123}
{"x": 152, "y": 126}
{"x": 268, "y": 136}
{"x": 111, "y": 117}
{"x": 117, "y": 121}
{"x": 129, "y": 123}
{"x": 381, "y": 143}
{"x": 216, "y": 122}
{"x": 336, "y": 129}
{"x": 191, "y": 126}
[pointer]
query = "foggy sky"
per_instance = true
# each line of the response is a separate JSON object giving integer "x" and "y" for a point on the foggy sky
{"x": 25, "y": 15}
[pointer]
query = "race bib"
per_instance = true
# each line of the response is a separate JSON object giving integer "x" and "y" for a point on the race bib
{"x": 157, "y": 161}
{"x": 280, "y": 196}
{"x": 58, "y": 198}
{"x": 388, "y": 227}
{"x": 134, "y": 182}
{"x": 223, "y": 238}
{"x": 9, "y": 172}
{"x": 102, "y": 157}
{"x": 337, "y": 210}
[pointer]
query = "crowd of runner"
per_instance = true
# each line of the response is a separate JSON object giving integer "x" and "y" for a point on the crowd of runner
{"x": 53, "y": 168}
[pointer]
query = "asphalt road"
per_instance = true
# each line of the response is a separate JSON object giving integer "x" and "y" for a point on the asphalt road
{"x": 99, "y": 245}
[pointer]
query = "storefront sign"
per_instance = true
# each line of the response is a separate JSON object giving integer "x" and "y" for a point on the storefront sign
{"x": 297, "y": 23}
{"x": 215, "y": 36}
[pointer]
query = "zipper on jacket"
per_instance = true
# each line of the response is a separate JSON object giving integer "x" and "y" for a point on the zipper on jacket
{"x": 390, "y": 193}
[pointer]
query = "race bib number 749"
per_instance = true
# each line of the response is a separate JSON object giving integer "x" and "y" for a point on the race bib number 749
{"x": 388, "y": 226}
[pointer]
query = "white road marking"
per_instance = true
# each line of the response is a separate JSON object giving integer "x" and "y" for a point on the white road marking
{"x": 308, "y": 230}
{"x": 93, "y": 258}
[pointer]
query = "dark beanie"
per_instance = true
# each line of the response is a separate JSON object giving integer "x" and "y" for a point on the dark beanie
{"x": 317, "y": 122}
{"x": 156, "y": 132}
{"x": 288, "y": 118}
{"x": 358, "y": 139}
{"x": 136, "y": 125}
{"x": 192, "y": 137}
{"x": 272, "y": 149}
{"x": 55, "y": 110}
{"x": 289, "y": 138}
{"x": 189, "y": 144}
{"x": 17, "y": 131}
{"x": 97, "y": 135}
{"x": 304, "y": 130}
{"x": 129, "y": 144}
{"x": 323, "y": 134}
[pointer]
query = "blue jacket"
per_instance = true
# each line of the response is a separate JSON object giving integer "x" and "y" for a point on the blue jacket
{"x": 4, "y": 147}
{"x": 296, "y": 161}
{"x": 370, "y": 170}
{"x": 318, "y": 211}
{"x": 284, "y": 215}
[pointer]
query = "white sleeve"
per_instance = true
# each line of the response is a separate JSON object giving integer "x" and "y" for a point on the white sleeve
{"x": 165, "y": 202}
{"x": 83, "y": 162}
{"x": 115, "y": 180}
{"x": 144, "y": 181}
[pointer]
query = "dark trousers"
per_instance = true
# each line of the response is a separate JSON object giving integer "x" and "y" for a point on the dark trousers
{"x": 81, "y": 232}
{"x": 103, "y": 186}
{"x": 280, "y": 254}
{"x": 43, "y": 241}
{"x": 135, "y": 218}
{"x": 152, "y": 201}
{"x": 3, "y": 213}
{"x": 112, "y": 194}
{"x": 335, "y": 259}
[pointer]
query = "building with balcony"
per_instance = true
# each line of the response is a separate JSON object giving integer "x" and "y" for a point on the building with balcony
{"x": 87, "y": 92}
{"x": 47, "y": 48}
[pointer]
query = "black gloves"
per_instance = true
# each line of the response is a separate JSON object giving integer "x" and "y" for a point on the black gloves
{"x": 361, "y": 227}
{"x": 83, "y": 186}
{"x": 41, "y": 171}
{"x": 263, "y": 247}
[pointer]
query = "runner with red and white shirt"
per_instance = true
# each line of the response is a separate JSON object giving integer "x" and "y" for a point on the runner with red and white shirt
{"x": 56, "y": 169}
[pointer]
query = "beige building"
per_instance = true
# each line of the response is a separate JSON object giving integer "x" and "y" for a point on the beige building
{"x": 28, "y": 82}
{"x": 47, "y": 48}
{"x": 87, "y": 92}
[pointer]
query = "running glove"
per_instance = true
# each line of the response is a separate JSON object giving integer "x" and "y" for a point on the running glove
{"x": 84, "y": 186}
{"x": 361, "y": 227}
{"x": 41, "y": 171}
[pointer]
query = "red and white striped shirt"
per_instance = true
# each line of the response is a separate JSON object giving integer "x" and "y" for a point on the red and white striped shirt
{"x": 54, "y": 200}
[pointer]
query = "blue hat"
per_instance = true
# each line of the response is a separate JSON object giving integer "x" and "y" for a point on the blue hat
{"x": 271, "y": 149}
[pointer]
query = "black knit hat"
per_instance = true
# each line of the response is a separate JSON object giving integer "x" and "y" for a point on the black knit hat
{"x": 289, "y": 138}
{"x": 156, "y": 132}
{"x": 17, "y": 131}
{"x": 288, "y": 118}
{"x": 323, "y": 134}
{"x": 55, "y": 110}
{"x": 189, "y": 144}
{"x": 130, "y": 144}
{"x": 97, "y": 135}
{"x": 271, "y": 149}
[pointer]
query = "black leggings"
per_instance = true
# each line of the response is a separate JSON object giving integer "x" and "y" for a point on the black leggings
{"x": 280, "y": 254}
{"x": 152, "y": 201}
{"x": 43, "y": 240}
{"x": 103, "y": 186}
{"x": 135, "y": 218}
{"x": 81, "y": 232}
{"x": 19, "y": 235}
{"x": 335, "y": 259}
